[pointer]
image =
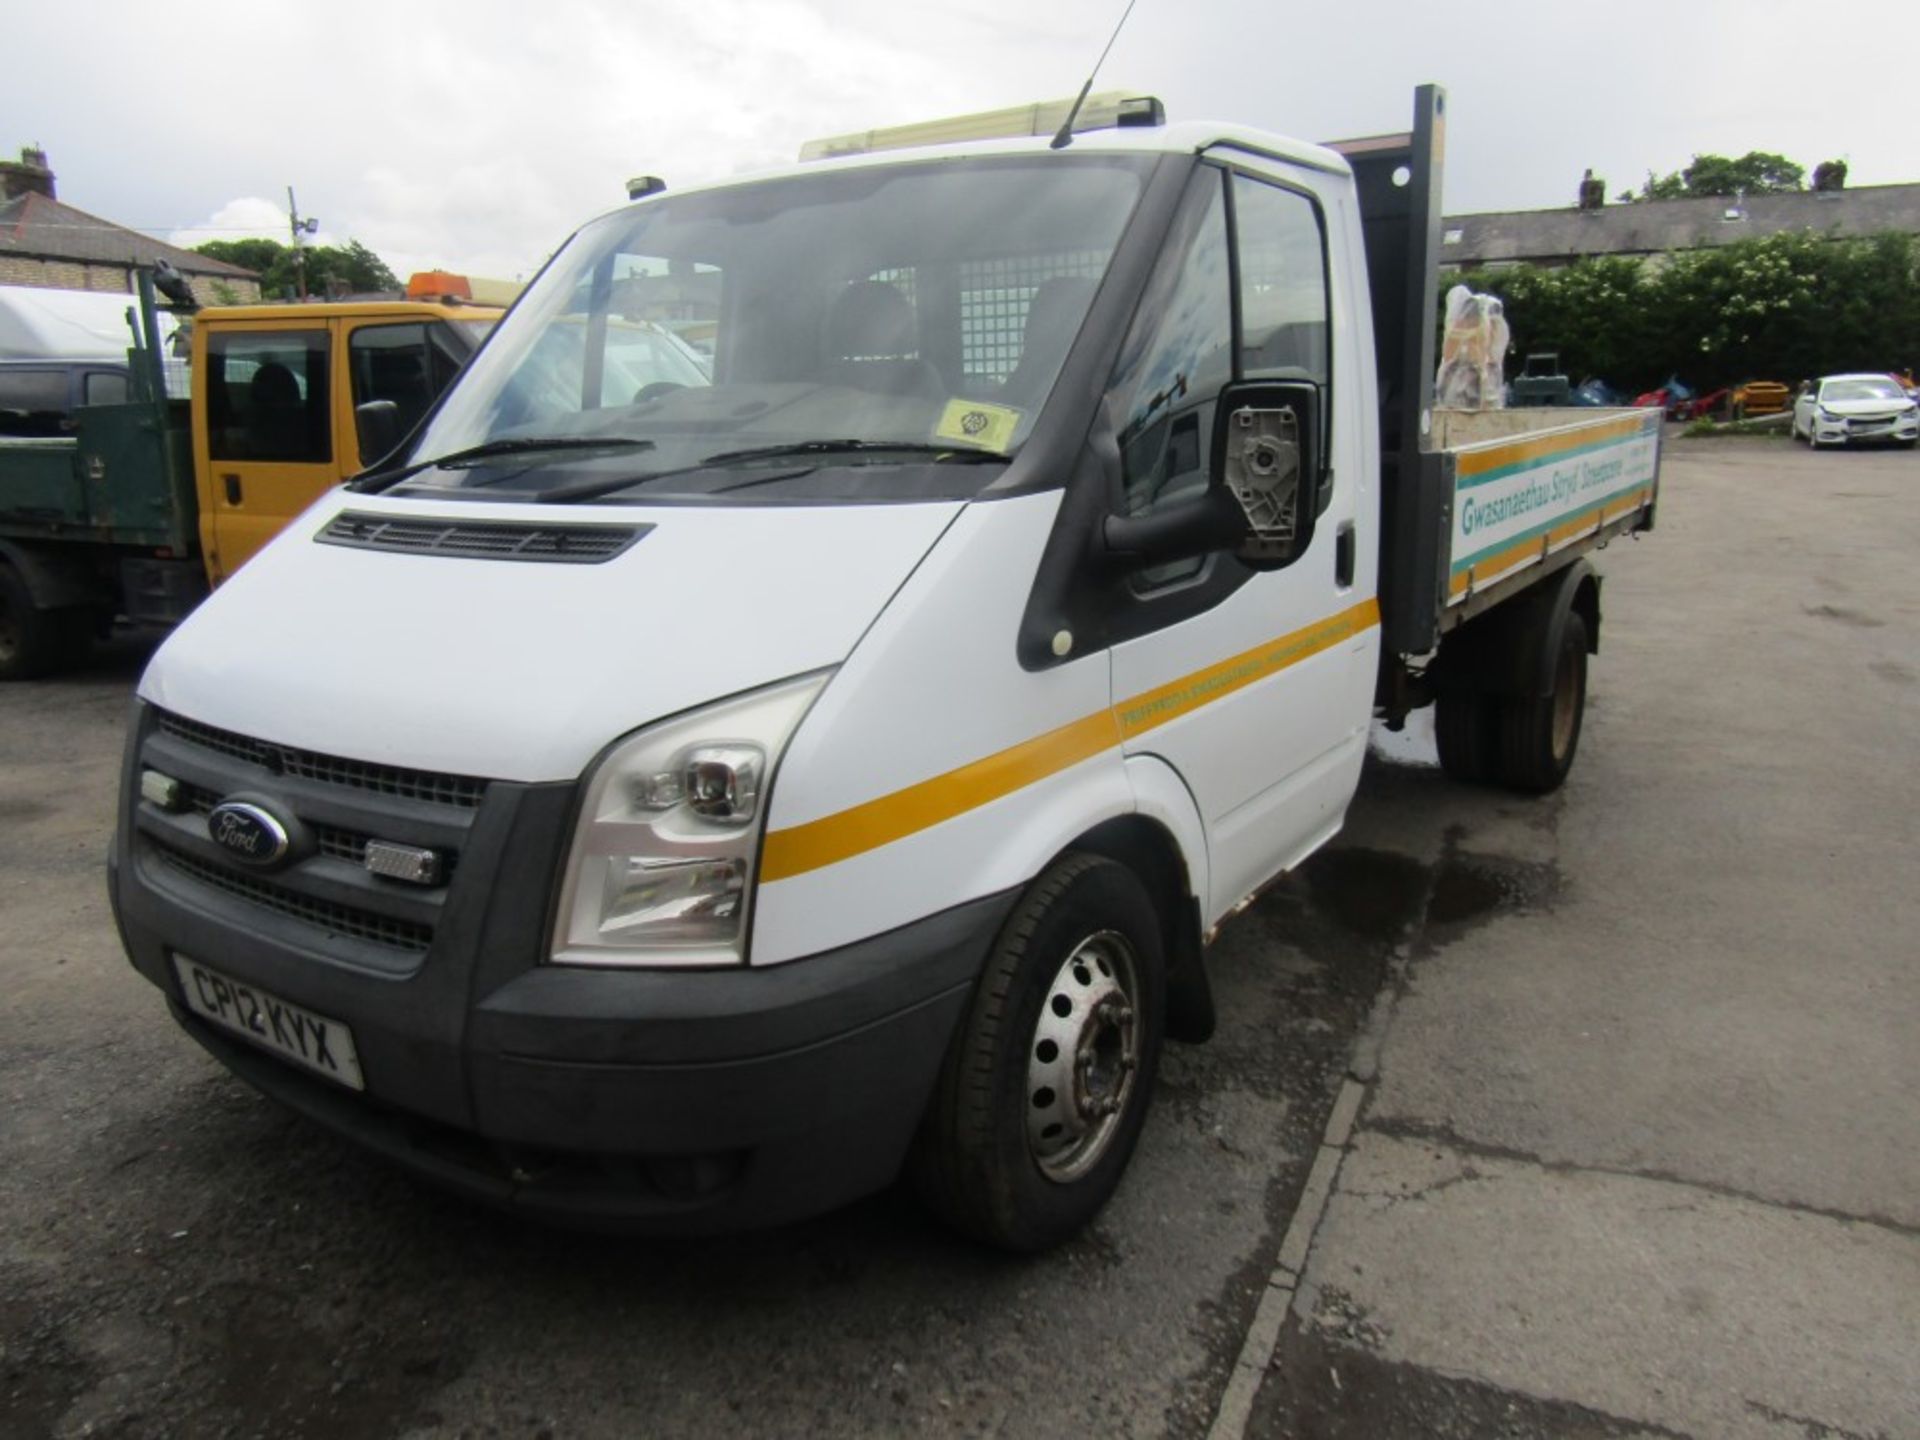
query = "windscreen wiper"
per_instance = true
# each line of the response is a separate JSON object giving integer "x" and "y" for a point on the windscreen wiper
{"x": 594, "y": 489}
{"x": 376, "y": 481}
{"x": 834, "y": 447}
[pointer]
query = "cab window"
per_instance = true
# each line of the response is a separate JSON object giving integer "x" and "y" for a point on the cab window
{"x": 106, "y": 387}
{"x": 267, "y": 396}
{"x": 1283, "y": 283}
{"x": 407, "y": 364}
{"x": 1172, "y": 368}
{"x": 1281, "y": 258}
{"x": 32, "y": 402}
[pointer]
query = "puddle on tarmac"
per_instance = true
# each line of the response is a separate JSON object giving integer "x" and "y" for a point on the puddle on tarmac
{"x": 1468, "y": 889}
{"x": 1374, "y": 893}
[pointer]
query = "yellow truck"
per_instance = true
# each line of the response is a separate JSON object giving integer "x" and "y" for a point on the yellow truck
{"x": 131, "y": 511}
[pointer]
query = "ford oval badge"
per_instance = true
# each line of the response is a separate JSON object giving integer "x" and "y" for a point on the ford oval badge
{"x": 248, "y": 832}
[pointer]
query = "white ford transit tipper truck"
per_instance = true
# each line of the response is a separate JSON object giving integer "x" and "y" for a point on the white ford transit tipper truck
{"x": 688, "y": 805}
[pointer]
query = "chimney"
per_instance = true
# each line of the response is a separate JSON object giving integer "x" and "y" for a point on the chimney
{"x": 1593, "y": 193}
{"x": 28, "y": 175}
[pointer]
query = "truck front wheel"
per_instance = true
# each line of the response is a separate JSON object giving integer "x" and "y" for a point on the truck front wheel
{"x": 29, "y": 637}
{"x": 1044, "y": 1089}
{"x": 1538, "y": 735}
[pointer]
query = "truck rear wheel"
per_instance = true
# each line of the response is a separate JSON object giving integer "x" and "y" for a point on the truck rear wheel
{"x": 1463, "y": 729}
{"x": 1538, "y": 735}
{"x": 29, "y": 637}
{"x": 1044, "y": 1089}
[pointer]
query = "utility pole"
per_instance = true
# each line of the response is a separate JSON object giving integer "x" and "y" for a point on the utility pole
{"x": 299, "y": 226}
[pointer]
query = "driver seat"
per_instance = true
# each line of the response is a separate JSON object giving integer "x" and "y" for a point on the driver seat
{"x": 872, "y": 345}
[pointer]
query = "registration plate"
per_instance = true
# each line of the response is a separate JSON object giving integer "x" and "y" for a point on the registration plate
{"x": 321, "y": 1045}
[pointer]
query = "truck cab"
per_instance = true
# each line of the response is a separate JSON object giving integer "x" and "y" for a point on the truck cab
{"x": 274, "y": 412}
{"x": 689, "y": 798}
{"x": 133, "y": 479}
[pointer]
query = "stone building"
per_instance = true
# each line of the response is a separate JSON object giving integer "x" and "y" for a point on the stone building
{"x": 1652, "y": 228}
{"x": 46, "y": 243}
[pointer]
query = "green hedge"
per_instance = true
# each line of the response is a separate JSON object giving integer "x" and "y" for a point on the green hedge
{"x": 1785, "y": 307}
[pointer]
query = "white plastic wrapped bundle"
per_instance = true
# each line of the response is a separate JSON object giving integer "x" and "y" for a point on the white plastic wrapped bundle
{"x": 1473, "y": 353}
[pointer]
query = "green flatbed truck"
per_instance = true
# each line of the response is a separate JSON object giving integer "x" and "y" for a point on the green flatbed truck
{"x": 138, "y": 507}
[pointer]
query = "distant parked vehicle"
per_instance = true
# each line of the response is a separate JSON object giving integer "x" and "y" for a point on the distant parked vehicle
{"x": 1757, "y": 398}
{"x": 1856, "y": 409}
{"x": 1702, "y": 408}
{"x": 38, "y": 397}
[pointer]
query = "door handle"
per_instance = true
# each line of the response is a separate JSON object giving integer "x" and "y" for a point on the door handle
{"x": 1344, "y": 548}
{"x": 233, "y": 488}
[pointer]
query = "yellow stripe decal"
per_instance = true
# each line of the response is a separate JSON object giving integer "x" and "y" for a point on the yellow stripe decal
{"x": 1496, "y": 565}
{"x": 887, "y": 818}
{"x": 1190, "y": 692}
{"x": 1515, "y": 452}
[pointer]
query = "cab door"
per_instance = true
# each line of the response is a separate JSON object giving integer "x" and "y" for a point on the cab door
{"x": 263, "y": 432}
{"x": 408, "y": 362}
{"x": 1254, "y": 685}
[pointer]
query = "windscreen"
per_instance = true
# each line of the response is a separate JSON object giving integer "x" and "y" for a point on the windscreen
{"x": 898, "y": 326}
{"x": 1865, "y": 388}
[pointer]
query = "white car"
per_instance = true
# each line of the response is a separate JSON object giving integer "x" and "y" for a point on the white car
{"x": 1851, "y": 409}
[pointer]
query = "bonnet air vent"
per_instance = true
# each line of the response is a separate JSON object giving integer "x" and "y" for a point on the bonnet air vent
{"x": 481, "y": 540}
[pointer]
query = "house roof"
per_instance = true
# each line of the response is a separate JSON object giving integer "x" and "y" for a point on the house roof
{"x": 1652, "y": 227}
{"x": 36, "y": 226}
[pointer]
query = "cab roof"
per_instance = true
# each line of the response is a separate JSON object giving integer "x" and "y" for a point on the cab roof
{"x": 355, "y": 310}
{"x": 1187, "y": 137}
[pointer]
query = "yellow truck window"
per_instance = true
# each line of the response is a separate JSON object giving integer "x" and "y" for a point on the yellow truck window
{"x": 267, "y": 396}
{"x": 393, "y": 362}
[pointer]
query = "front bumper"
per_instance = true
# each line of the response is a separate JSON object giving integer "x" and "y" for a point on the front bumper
{"x": 645, "y": 1100}
{"x": 1899, "y": 432}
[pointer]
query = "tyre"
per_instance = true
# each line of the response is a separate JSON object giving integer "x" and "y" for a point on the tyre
{"x": 1044, "y": 1089}
{"x": 1463, "y": 729}
{"x": 29, "y": 637}
{"x": 1537, "y": 736}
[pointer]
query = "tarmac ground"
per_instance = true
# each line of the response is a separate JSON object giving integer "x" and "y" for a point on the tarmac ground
{"x": 1589, "y": 1116}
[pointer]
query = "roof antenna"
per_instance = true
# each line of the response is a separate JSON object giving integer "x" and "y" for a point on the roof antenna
{"x": 1063, "y": 137}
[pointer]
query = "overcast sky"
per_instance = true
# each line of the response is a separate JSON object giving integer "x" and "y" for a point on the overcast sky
{"x": 475, "y": 135}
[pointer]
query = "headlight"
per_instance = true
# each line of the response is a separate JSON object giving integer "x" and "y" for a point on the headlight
{"x": 1828, "y": 416}
{"x": 661, "y": 869}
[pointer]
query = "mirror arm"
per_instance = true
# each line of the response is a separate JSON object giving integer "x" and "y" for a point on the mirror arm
{"x": 1208, "y": 522}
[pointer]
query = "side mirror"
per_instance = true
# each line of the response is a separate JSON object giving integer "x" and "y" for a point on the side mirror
{"x": 378, "y": 425}
{"x": 1268, "y": 484}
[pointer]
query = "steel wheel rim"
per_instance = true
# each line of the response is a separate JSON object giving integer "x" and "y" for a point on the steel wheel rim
{"x": 1083, "y": 1057}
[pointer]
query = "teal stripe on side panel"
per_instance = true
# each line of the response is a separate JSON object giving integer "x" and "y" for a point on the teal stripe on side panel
{"x": 1567, "y": 518}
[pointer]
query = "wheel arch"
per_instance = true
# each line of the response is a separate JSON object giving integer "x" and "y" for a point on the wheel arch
{"x": 1511, "y": 650}
{"x": 54, "y": 579}
{"x": 1149, "y": 849}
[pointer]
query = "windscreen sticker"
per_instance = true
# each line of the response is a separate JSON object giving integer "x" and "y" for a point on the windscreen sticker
{"x": 975, "y": 422}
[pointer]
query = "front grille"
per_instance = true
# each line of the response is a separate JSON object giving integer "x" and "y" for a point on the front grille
{"x": 333, "y": 840}
{"x": 461, "y": 790}
{"x": 483, "y": 539}
{"x": 334, "y": 919}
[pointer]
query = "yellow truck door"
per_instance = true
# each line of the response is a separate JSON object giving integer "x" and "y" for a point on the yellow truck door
{"x": 264, "y": 429}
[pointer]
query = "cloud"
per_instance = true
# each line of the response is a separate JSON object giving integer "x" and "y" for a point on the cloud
{"x": 247, "y": 218}
{"x": 475, "y": 134}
